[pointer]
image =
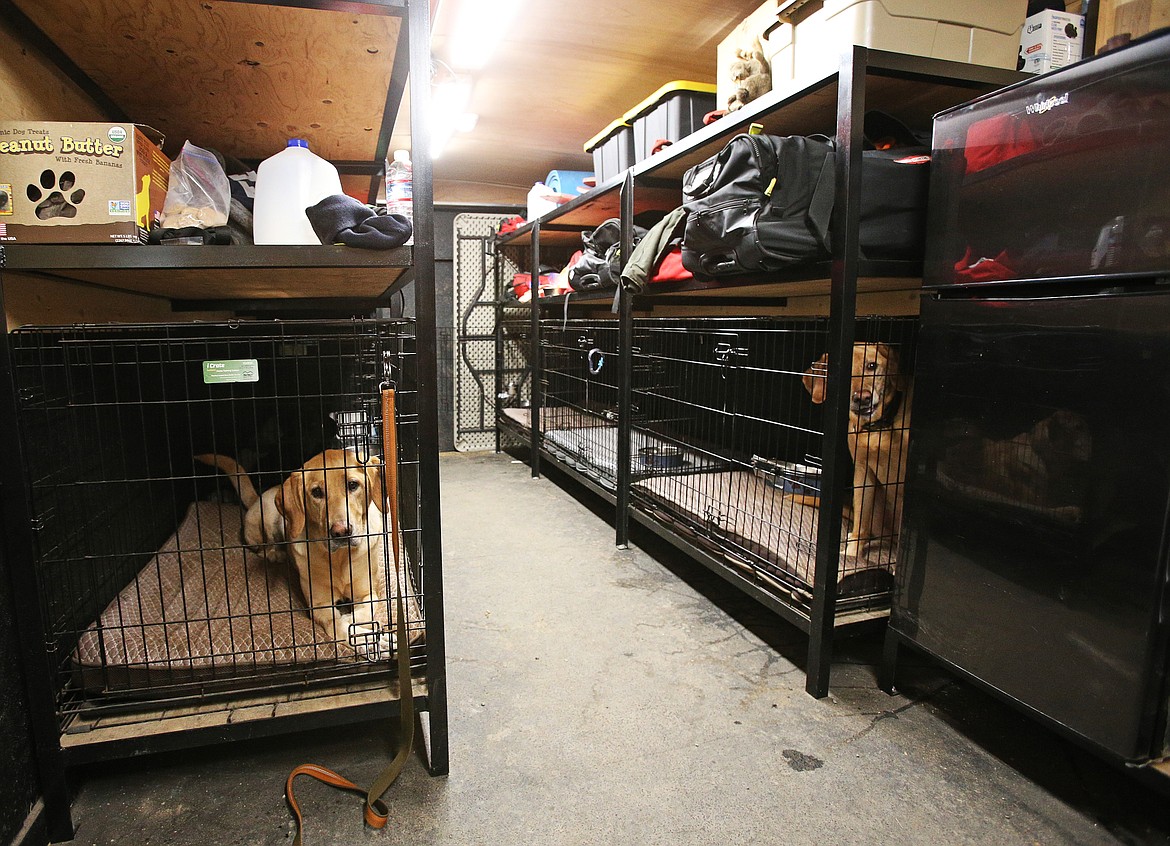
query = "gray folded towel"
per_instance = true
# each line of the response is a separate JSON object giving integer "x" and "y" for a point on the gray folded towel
{"x": 340, "y": 218}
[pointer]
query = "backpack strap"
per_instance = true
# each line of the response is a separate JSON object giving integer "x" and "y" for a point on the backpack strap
{"x": 820, "y": 207}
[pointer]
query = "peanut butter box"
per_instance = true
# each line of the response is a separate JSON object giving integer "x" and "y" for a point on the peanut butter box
{"x": 80, "y": 183}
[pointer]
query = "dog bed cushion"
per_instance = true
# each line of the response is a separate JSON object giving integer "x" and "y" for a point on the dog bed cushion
{"x": 557, "y": 417}
{"x": 763, "y": 527}
{"x": 206, "y": 608}
{"x": 594, "y": 452}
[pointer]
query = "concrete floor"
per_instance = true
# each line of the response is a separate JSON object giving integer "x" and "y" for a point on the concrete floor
{"x": 631, "y": 697}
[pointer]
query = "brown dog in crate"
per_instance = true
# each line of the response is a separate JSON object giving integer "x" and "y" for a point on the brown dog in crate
{"x": 327, "y": 519}
{"x": 880, "y": 396}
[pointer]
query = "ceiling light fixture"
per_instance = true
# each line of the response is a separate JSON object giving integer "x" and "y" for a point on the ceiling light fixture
{"x": 479, "y": 27}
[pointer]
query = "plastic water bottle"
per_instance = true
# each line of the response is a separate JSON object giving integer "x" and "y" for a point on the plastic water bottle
{"x": 400, "y": 188}
{"x": 287, "y": 184}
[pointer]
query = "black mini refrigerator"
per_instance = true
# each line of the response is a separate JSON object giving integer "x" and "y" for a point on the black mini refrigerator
{"x": 1034, "y": 551}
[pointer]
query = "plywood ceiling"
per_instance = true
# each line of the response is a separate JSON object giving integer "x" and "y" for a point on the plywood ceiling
{"x": 243, "y": 78}
{"x": 567, "y": 69}
{"x": 238, "y": 77}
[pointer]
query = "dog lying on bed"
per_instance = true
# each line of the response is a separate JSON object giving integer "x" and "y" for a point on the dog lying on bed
{"x": 879, "y": 431}
{"x": 327, "y": 519}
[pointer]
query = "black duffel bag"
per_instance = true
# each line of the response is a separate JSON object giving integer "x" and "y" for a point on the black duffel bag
{"x": 762, "y": 203}
{"x": 765, "y": 203}
{"x": 599, "y": 265}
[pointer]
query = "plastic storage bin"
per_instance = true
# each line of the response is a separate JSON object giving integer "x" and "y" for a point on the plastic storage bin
{"x": 612, "y": 149}
{"x": 986, "y": 33}
{"x": 672, "y": 112}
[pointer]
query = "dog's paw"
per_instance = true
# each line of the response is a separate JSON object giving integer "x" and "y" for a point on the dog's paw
{"x": 55, "y": 204}
{"x": 372, "y": 642}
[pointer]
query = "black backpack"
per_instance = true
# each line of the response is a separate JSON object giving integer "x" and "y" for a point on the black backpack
{"x": 600, "y": 263}
{"x": 761, "y": 204}
{"x": 765, "y": 203}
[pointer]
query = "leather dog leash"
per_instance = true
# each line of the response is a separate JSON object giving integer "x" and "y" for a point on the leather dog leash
{"x": 376, "y": 812}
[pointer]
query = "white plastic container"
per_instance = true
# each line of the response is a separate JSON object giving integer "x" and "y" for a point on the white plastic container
{"x": 287, "y": 184}
{"x": 400, "y": 187}
{"x": 542, "y": 200}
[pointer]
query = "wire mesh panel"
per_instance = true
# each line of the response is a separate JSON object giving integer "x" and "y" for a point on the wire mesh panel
{"x": 737, "y": 404}
{"x": 476, "y": 301}
{"x": 209, "y": 508}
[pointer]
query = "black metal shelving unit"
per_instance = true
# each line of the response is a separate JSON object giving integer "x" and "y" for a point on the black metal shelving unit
{"x": 912, "y": 87}
{"x": 246, "y": 279}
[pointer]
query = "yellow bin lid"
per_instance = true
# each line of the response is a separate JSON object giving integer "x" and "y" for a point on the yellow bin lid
{"x": 655, "y": 99}
{"x": 603, "y": 136}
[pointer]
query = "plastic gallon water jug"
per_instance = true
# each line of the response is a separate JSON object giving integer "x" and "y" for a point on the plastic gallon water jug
{"x": 286, "y": 185}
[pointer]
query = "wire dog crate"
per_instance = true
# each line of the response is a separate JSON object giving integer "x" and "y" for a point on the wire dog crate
{"x": 579, "y": 387}
{"x": 153, "y": 595}
{"x": 736, "y": 401}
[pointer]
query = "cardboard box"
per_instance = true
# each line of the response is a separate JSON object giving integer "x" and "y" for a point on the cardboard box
{"x": 80, "y": 183}
{"x": 1121, "y": 21}
{"x": 1051, "y": 40}
{"x": 982, "y": 33}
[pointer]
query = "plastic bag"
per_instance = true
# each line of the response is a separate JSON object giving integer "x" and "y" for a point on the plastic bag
{"x": 199, "y": 194}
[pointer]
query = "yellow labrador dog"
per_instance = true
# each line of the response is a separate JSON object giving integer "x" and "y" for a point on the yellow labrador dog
{"x": 880, "y": 396}
{"x": 327, "y": 518}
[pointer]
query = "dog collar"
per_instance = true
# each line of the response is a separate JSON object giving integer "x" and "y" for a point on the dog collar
{"x": 886, "y": 421}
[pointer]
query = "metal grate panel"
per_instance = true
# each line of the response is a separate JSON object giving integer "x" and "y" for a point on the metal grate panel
{"x": 475, "y": 319}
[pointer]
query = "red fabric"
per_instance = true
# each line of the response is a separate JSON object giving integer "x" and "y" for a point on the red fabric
{"x": 511, "y": 224}
{"x": 984, "y": 269}
{"x": 997, "y": 139}
{"x": 550, "y": 284}
{"x": 671, "y": 269}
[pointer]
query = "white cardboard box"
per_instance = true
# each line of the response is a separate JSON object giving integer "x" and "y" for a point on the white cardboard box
{"x": 981, "y": 32}
{"x": 1051, "y": 40}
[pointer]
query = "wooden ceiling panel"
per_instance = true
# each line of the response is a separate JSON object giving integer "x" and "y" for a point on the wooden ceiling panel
{"x": 563, "y": 72}
{"x": 239, "y": 77}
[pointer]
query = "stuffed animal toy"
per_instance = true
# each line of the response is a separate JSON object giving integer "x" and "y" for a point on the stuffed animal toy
{"x": 751, "y": 75}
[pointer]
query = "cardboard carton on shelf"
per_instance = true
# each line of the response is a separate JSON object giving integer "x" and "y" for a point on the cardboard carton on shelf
{"x": 80, "y": 183}
{"x": 1051, "y": 40}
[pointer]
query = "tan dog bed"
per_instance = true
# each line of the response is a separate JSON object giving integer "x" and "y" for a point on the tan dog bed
{"x": 762, "y": 529}
{"x": 204, "y": 608}
{"x": 557, "y": 417}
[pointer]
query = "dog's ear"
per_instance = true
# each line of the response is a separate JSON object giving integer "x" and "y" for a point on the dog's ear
{"x": 894, "y": 373}
{"x": 290, "y": 502}
{"x": 373, "y": 468}
{"x": 814, "y": 378}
